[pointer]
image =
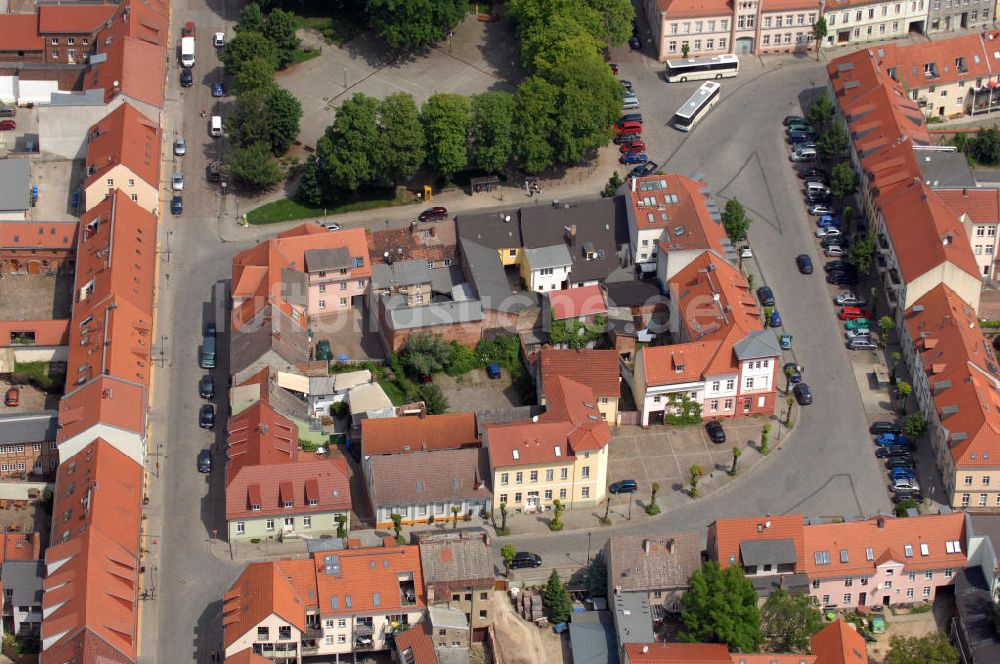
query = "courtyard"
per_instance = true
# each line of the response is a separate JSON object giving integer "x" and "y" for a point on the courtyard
{"x": 36, "y": 296}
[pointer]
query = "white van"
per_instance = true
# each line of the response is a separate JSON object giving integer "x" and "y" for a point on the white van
{"x": 818, "y": 187}
{"x": 187, "y": 52}
{"x": 215, "y": 128}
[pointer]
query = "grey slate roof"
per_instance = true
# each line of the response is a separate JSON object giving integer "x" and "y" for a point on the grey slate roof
{"x": 490, "y": 229}
{"x": 24, "y": 578}
{"x": 402, "y": 273}
{"x": 402, "y": 317}
{"x": 456, "y": 560}
{"x": 293, "y": 287}
{"x": 977, "y": 637}
{"x": 29, "y": 427}
{"x": 944, "y": 170}
{"x": 445, "y": 279}
{"x": 795, "y": 584}
{"x": 483, "y": 268}
{"x": 757, "y": 344}
{"x": 633, "y": 618}
{"x": 760, "y": 552}
{"x": 269, "y": 330}
{"x": 318, "y": 260}
{"x": 592, "y": 638}
{"x": 548, "y": 257}
{"x": 634, "y": 293}
{"x": 428, "y": 477}
{"x": 15, "y": 184}
{"x": 632, "y": 567}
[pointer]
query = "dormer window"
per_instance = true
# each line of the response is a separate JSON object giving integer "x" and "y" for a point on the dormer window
{"x": 287, "y": 504}
{"x": 254, "y": 508}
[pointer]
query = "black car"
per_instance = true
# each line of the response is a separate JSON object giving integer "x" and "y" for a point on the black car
{"x": 176, "y": 205}
{"x": 815, "y": 174}
{"x": 834, "y": 266}
{"x": 206, "y": 416}
{"x": 635, "y": 44}
{"x": 900, "y": 462}
{"x": 885, "y": 427}
{"x": 436, "y": 213}
{"x": 889, "y": 451}
{"x": 205, "y": 461}
{"x": 900, "y": 496}
{"x": 805, "y": 263}
{"x": 819, "y": 198}
{"x": 766, "y": 296}
{"x": 187, "y": 78}
{"x": 794, "y": 119}
{"x": 715, "y": 432}
{"x": 624, "y": 139}
{"x": 523, "y": 559}
{"x": 632, "y": 117}
{"x": 643, "y": 169}
{"x": 623, "y": 486}
{"x": 842, "y": 278}
{"x": 803, "y": 394}
{"x": 206, "y": 387}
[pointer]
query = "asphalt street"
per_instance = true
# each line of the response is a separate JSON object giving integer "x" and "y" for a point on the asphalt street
{"x": 826, "y": 470}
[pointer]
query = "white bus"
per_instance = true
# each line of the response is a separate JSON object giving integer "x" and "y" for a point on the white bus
{"x": 698, "y": 106}
{"x": 697, "y": 69}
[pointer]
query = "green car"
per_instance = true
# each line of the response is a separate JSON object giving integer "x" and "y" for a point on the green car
{"x": 797, "y": 127}
{"x": 323, "y": 350}
{"x": 857, "y": 324}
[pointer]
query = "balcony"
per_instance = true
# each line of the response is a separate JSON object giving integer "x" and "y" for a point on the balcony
{"x": 314, "y": 632}
{"x": 310, "y": 647}
{"x": 407, "y": 593}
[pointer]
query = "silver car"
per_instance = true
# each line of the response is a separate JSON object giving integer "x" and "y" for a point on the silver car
{"x": 834, "y": 251}
{"x": 850, "y": 300}
{"x": 862, "y": 343}
{"x": 860, "y": 333}
{"x": 180, "y": 147}
{"x": 177, "y": 182}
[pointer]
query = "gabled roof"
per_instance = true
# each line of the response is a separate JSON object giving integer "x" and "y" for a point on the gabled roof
{"x": 262, "y": 590}
{"x": 678, "y": 363}
{"x": 962, "y": 372}
{"x": 695, "y": 8}
{"x": 838, "y": 643}
{"x": 677, "y": 206}
{"x": 247, "y": 656}
{"x": 259, "y": 436}
{"x": 72, "y": 19}
{"x": 415, "y": 646}
{"x": 982, "y": 205}
{"x": 577, "y": 302}
{"x": 597, "y": 369}
{"x": 395, "y": 435}
{"x": 910, "y": 64}
{"x": 677, "y": 653}
{"x": 367, "y": 581}
{"x": 19, "y": 32}
{"x": 130, "y": 53}
{"x": 714, "y": 296}
{"x": 726, "y": 536}
{"x": 54, "y": 235}
{"x": 104, "y": 400}
{"x": 428, "y": 477}
{"x": 638, "y": 563}
{"x": 429, "y": 241}
{"x": 455, "y": 562}
{"x": 127, "y": 137}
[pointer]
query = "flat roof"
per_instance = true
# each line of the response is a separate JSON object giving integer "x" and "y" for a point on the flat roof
{"x": 15, "y": 184}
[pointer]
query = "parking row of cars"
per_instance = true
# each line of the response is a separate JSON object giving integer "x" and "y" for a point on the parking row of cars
{"x": 628, "y": 133}
{"x": 897, "y": 451}
{"x": 801, "y": 137}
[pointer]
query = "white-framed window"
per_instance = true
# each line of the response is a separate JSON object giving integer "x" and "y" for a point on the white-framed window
{"x": 926, "y": 591}
{"x": 290, "y": 521}
{"x": 504, "y": 479}
{"x": 585, "y": 492}
{"x": 269, "y": 524}
{"x": 585, "y": 472}
{"x": 562, "y": 494}
{"x": 341, "y": 638}
{"x": 241, "y": 527}
{"x": 909, "y": 593}
{"x": 322, "y": 303}
{"x": 564, "y": 473}
{"x": 307, "y": 521}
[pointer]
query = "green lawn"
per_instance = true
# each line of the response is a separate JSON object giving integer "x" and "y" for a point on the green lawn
{"x": 335, "y": 30}
{"x": 288, "y": 209}
{"x": 302, "y": 54}
{"x": 41, "y": 375}
{"x": 392, "y": 391}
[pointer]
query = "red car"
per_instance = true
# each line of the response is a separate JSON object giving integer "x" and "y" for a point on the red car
{"x": 13, "y": 397}
{"x": 614, "y": 68}
{"x": 188, "y": 29}
{"x": 436, "y": 213}
{"x": 850, "y": 313}
{"x": 634, "y": 146}
{"x": 629, "y": 127}
{"x": 8, "y": 125}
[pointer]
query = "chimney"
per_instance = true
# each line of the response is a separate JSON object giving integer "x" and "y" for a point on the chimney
{"x": 881, "y": 522}
{"x": 672, "y": 545}
{"x": 646, "y": 546}
{"x": 965, "y": 192}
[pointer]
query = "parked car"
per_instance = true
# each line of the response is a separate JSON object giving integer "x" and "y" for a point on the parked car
{"x": 857, "y": 324}
{"x": 801, "y": 136}
{"x": 635, "y": 146}
{"x": 525, "y": 559}
{"x": 12, "y": 398}
{"x": 905, "y": 494}
{"x": 177, "y": 182}
{"x": 766, "y": 296}
{"x": 842, "y": 278}
{"x": 633, "y": 158}
{"x": 493, "y": 371}
{"x": 818, "y": 209}
{"x": 902, "y": 474}
{"x": 715, "y": 431}
{"x": 8, "y": 125}
{"x": 180, "y": 147}
{"x": 623, "y": 486}
{"x": 819, "y": 198}
{"x": 436, "y": 213}
{"x": 323, "y": 352}
{"x": 187, "y": 78}
{"x": 746, "y": 252}
{"x": 797, "y": 126}
{"x": 331, "y": 226}
{"x": 219, "y": 39}
{"x": 851, "y": 313}
{"x": 900, "y": 461}
{"x": 909, "y": 485}
{"x": 206, "y": 416}
{"x": 623, "y": 139}
{"x": 892, "y": 450}
{"x": 614, "y": 68}
{"x": 8, "y": 111}
{"x": 814, "y": 175}
{"x": 176, "y": 205}
{"x": 636, "y": 117}
{"x": 885, "y": 427}
{"x": 635, "y": 44}
{"x": 804, "y": 263}
{"x": 860, "y": 333}
{"x": 643, "y": 169}
{"x": 826, "y": 232}
{"x": 793, "y": 372}
{"x": 205, "y": 461}
{"x": 803, "y": 395}
{"x": 833, "y": 240}
{"x": 805, "y": 155}
{"x": 862, "y": 343}
{"x": 794, "y": 119}
{"x": 626, "y": 84}
{"x": 218, "y": 90}
{"x": 828, "y": 220}
{"x": 834, "y": 251}
{"x": 850, "y": 300}
{"x": 888, "y": 438}
{"x": 775, "y": 320}
{"x": 628, "y": 127}
{"x": 206, "y": 387}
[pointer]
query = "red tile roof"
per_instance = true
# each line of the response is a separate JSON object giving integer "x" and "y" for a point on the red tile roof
{"x": 677, "y": 653}
{"x": 47, "y": 332}
{"x": 21, "y": 546}
{"x": 578, "y": 302}
{"x": 838, "y": 643}
{"x": 56, "y": 235}
{"x": 675, "y": 204}
{"x": 982, "y": 205}
{"x": 924, "y": 232}
{"x": 262, "y": 590}
{"x": 597, "y": 369}
{"x": 909, "y": 61}
{"x": 771, "y": 658}
{"x": 395, "y": 435}
{"x": 257, "y": 271}
{"x": 417, "y": 640}
{"x": 19, "y": 32}
{"x": 678, "y": 363}
{"x": 769, "y": 6}
{"x": 104, "y": 400}
{"x": 124, "y": 136}
{"x": 694, "y": 8}
{"x": 368, "y": 581}
{"x": 72, "y": 19}
{"x": 962, "y": 373}
{"x": 247, "y": 656}
{"x": 133, "y": 44}
{"x": 570, "y": 425}
{"x": 431, "y": 241}
{"x": 726, "y": 535}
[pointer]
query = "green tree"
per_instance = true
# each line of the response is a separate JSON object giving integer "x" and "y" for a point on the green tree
{"x": 462, "y": 360}
{"x": 737, "y": 453}
{"x": 434, "y": 399}
{"x": 280, "y": 27}
{"x": 895, "y": 365}
{"x": 455, "y": 509}
{"x": 269, "y": 114}
{"x": 503, "y": 519}
{"x": 246, "y": 46}
{"x": 409, "y": 24}
{"x": 819, "y": 34}
{"x": 985, "y": 147}
{"x": 885, "y": 326}
{"x": 903, "y": 391}
{"x": 695, "y": 473}
{"x": 652, "y": 509}
{"x": 935, "y": 648}
{"x": 820, "y": 113}
{"x": 735, "y": 220}
{"x": 425, "y": 353}
{"x": 833, "y": 142}
{"x": 611, "y": 188}
{"x": 401, "y": 145}
{"x": 558, "y": 508}
{"x": 283, "y": 114}
{"x": 534, "y": 122}
{"x": 903, "y": 506}
{"x": 255, "y": 73}
{"x": 507, "y": 552}
{"x": 253, "y": 167}
{"x": 397, "y": 525}
{"x": 862, "y": 254}
{"x": 310, "y": 189}
{"x": 491, "y": 128}
{"x": 563, "y": 39}
{"x": 685, "y": 49}
{"x": 251, "y": 19}
{"x": 789, "y": 620}
{"x": 345, "y": 149}
{"x": 555, "y": 600}
{"x": 616, "y": 20}
{"x": 721, "y": 607}
{"x": 587, "y": 104}
{"x": 341, "y": 520}
{"x": 916, "y": 426}
{"x": 596, "y": 577}
{"x": 445, "y": 117}
{"x": 843, "y": 180}
{"x": 765, "y": 432}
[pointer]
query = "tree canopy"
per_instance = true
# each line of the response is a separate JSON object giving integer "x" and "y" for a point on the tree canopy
{"x": 446, "y": 123}
{"x": 534, "y": 122}
{"x": 425, "y": 353}
{"x": 414, "y": 23}
{"x": 400, "y": 148}
{"x": 247, "y": 45}
{"x": 735, "y": 220}
{"x": 253, "y": 167}
{"x": 556, "y": 600}
{"x": 789, "y": 620}
{"x": 345, "y": 150}
{"x": 935, "y": 648}
{"x": 491, "y": 129}
{"x": 721, "y": 607}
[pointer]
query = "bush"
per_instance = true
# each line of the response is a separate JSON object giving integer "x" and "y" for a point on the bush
{"x": 505, "y": 350}
{"x": 463, "y": 360}
{"x": 433, "y": 398}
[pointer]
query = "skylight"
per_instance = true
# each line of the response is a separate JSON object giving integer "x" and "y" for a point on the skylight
{"x": 870, "y": 553}
{"x": 923, "y": 549}
{"x": 517, "y": 454}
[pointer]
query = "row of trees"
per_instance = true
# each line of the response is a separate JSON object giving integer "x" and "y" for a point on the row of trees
{"x": 265, "y": 120}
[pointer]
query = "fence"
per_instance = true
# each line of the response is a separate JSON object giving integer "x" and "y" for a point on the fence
{"x": 629, "y": 417}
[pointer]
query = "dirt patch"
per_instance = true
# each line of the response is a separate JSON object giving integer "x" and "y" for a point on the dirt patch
{"x": 36, "y": 296}
{"x": 523, "y": 643}
{"x": 475, "y": 391}
{"x": 914, "y": 624}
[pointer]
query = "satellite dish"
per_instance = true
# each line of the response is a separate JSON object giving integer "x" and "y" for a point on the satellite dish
{"x": 767, "y": 524}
